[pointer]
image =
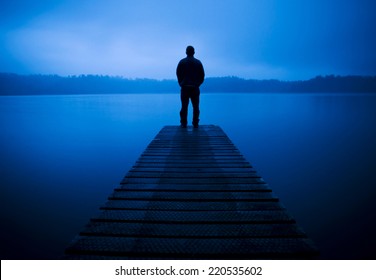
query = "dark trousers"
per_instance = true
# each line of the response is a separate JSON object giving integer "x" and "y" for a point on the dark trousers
{"x": 192, "y": 93}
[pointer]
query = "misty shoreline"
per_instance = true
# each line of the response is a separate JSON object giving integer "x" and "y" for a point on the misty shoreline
{"x": 14, "y": 84}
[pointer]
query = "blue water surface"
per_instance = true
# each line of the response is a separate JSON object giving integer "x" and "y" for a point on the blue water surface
{"x": 61, "y": 157}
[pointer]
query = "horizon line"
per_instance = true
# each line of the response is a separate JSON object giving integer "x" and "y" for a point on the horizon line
{"x": 209, "y": 77}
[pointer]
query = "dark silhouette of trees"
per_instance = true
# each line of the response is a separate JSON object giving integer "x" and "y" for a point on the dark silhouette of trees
{"x": 319, "y": 84}
{"x": 13, "y": 84}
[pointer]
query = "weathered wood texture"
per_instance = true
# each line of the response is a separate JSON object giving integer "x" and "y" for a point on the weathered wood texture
{"x": 192, "y": 195}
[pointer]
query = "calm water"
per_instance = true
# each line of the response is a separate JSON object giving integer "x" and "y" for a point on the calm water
{"x": 61, "y": 156}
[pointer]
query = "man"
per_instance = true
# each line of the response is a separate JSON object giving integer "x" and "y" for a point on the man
{"x": 190, "y": 74}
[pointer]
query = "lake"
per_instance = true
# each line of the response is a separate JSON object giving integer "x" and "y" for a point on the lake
{"x": 61, "y": 157}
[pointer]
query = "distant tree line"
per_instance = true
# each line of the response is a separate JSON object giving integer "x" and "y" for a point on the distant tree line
{"x": 13, "y": 84}
{"x": 319, "y": 84}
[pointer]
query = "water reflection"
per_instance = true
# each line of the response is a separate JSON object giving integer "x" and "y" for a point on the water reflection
{"x": 63, "y": 155}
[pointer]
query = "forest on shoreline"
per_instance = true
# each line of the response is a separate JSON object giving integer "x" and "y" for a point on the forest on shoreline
{"x": 14, "y": 84}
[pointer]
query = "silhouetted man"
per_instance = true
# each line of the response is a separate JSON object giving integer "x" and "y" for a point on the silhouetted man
{"x": 190, "y": 73}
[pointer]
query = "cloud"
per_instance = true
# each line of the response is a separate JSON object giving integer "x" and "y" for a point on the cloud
{"x": 147, "y": 38}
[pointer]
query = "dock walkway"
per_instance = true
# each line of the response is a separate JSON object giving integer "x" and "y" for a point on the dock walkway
{"x": 192, "y": 195}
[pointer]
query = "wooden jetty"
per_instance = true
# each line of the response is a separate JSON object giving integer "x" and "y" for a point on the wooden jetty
{"x": 192, "y": 195}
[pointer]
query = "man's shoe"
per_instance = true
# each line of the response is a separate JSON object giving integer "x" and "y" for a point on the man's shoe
{"x": 195, "y": 125}
{"x": 183, "y": 126}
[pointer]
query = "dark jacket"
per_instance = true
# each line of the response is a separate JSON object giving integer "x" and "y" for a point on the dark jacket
{"x": 190, "y": 72}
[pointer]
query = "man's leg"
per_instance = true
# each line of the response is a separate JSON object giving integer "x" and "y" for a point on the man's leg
{"x": 184, "y": 97}
{"x": 195, "y": 98}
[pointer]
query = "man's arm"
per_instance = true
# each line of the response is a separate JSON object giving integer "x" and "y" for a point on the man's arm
{"x": 202, "y": 73}
{"x": 179, "y": 73}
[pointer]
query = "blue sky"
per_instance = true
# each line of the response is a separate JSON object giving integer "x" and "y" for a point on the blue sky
{"x": 289, "y": 39}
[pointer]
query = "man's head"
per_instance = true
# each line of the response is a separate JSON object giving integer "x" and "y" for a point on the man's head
{"x": 190, "y": 51}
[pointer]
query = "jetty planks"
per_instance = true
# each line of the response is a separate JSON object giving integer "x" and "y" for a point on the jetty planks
{"x": 192, "y": 195}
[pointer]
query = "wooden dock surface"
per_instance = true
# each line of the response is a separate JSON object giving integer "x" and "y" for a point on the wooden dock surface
{"x": 192, "y": 195}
